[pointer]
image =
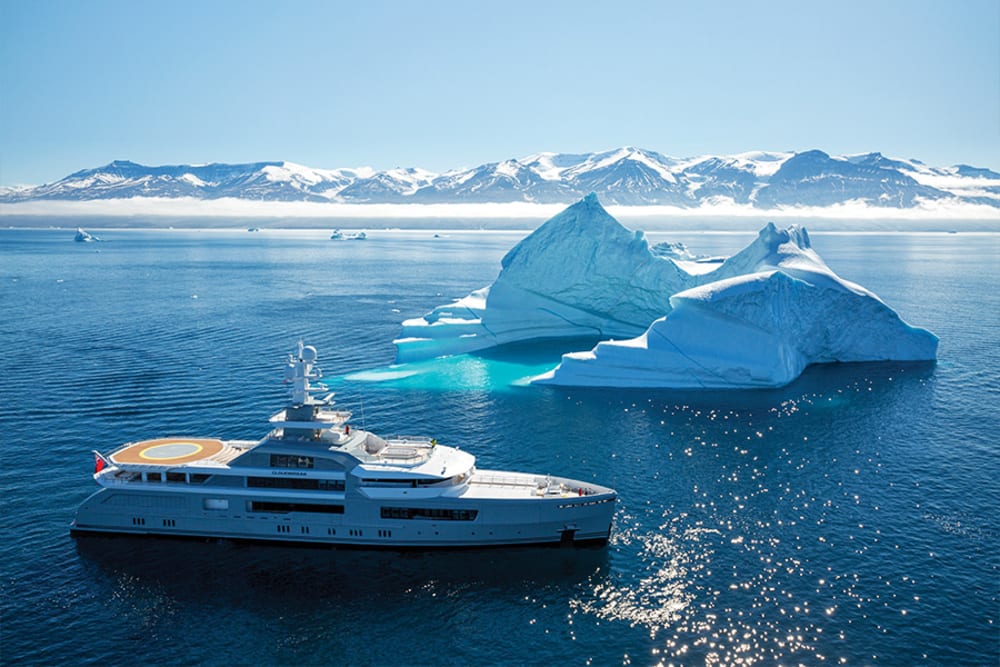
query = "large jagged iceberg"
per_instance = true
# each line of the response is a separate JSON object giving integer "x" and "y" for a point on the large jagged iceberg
{"x": 579, "y": 274}
{"x": 755, "y": 320}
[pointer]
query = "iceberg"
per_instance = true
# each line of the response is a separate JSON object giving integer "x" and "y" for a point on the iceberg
{"x": 756, "y": 319}
{"x": 579, "y": 274}
{"x": 338, "y": 235}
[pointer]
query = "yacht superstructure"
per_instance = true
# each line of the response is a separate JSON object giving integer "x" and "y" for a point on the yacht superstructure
{"x": 315, "y": 478}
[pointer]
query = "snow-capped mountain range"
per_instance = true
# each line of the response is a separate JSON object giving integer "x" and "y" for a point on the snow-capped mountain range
{"x": 624, "y": 176}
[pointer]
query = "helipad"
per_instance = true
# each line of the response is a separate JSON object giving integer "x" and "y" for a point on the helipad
{"x": 170, "y": 451}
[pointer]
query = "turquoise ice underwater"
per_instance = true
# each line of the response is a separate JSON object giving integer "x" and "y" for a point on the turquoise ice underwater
{"x": 849, "y": 515}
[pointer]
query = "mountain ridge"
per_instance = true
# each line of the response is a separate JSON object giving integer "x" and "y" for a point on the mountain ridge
{"x": 626, "y": 176}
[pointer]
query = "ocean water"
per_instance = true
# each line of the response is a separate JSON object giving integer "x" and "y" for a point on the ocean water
{"x": 852, "y": 517}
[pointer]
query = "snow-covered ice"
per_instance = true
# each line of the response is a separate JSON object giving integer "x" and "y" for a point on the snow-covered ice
{"x": 756, "y": 319}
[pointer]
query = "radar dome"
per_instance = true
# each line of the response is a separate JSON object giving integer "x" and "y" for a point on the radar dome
{"x": 309, "y": 353}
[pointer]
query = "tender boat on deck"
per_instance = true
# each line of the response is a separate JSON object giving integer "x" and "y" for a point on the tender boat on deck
{"x": 314, "y": 478}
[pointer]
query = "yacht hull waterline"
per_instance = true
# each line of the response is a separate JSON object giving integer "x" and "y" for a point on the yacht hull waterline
{"x": 315, "y": 479}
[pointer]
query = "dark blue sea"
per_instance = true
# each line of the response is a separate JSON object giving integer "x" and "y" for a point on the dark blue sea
{"x": 852, "y": 517}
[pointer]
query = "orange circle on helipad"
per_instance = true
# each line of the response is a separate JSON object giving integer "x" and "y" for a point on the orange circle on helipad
{"x": 168, "y": 451}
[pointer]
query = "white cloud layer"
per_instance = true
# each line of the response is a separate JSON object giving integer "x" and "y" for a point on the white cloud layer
{"x": 239, "y": 208}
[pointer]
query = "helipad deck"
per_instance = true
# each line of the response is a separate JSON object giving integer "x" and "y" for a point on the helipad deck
{"x": 170, "y": 451}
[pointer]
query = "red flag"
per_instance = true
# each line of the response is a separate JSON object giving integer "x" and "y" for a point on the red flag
{"x": 99, "y": 463}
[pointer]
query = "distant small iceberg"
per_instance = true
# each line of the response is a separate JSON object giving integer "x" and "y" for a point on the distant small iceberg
{"x": 674, "y": 250}
{"x": 82, "y": 236}
{"x": 341, "y": 236}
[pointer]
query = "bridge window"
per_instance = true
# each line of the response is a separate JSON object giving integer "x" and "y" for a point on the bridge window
{"x": 291, "y": 461}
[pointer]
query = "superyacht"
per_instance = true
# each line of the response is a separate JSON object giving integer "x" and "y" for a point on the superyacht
{"x": 316, "y": 478}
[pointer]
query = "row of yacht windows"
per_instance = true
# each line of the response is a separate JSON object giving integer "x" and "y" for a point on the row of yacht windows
{"x": 252, "y": 482}
{"x": 433, "y": 513}
{"x": 406, "y": 482}
{"x": 295, "y": 483}
{"x": 429, "y": 513}
{"x": 222, "y": 504}
{"x": 282, "y": 507}
{"x": 271, "y": 506}
{"x": 196, "y": 478}
{"x": 450, "y": 481}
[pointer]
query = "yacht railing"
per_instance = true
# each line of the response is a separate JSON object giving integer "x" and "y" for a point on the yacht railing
{"x": 122, "y": 477}
{"x": 414, "y": 440}
{"x": 543, "y": 486}
{"x": 241, "y": 444}
{"x": 509, "y": 480}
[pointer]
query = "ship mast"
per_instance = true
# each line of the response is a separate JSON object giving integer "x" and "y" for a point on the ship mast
{"x": 300, "y": 371}
{"x": 302, "y": 419}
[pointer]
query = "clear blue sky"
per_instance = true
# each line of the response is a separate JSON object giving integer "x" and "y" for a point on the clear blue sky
{"x": 444, "y": 84}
